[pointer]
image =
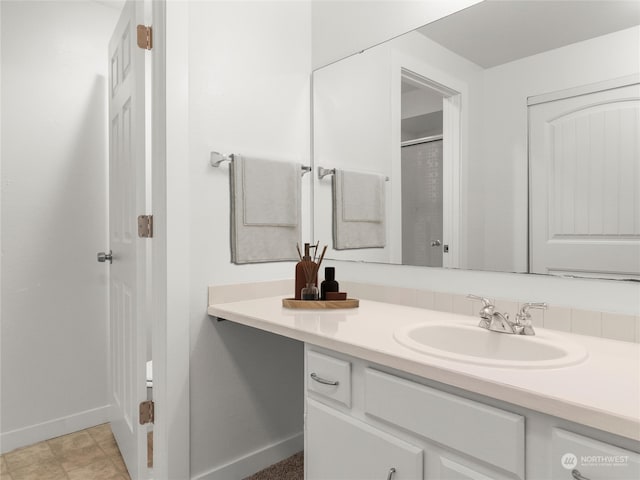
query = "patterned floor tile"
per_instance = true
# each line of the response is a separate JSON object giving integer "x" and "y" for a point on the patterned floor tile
{"x": 81, "y": 457}
{"x": 47, "y": 470}
{"x": 23, "y": 457}
{"x": 73, "y": 441}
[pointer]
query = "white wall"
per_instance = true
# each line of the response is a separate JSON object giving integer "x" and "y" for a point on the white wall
{"x": 54, "y": 177}
{"x": 249, "y": 70}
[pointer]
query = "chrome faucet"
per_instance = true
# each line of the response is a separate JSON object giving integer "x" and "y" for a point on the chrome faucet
{"x": 499, "y": 322}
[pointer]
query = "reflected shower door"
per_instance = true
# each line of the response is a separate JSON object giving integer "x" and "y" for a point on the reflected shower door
{"x": 422, "y": 204}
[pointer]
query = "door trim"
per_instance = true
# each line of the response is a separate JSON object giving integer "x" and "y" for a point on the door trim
{"x": 584, "y": 89}
{"x": 169, "y": 256}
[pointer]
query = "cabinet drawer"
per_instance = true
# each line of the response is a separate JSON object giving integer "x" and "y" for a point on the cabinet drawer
{"x": 486, "y": 433}
{"x": 594, "y": 460}
{"x": 329, "y": 377}
{"x": 340, "y": 447}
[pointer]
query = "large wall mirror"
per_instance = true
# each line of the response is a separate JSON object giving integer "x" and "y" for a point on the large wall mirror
{"x": 504, "y": 137}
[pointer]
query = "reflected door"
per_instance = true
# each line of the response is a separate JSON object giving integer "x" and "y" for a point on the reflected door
{"x": 422, "y": 204}
{"x": 585, "y": 184}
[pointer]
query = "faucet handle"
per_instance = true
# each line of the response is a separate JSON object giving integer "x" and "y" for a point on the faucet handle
{"x": 487, "y": 305}
{"x": 485, "y": 301}
{"x": 524, "y": 310}
{"x": 523, "y": 319}
{"x": 486, "y": 312}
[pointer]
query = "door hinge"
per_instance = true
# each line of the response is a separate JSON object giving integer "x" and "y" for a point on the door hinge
{"x": 147, "y": 412}
{"x": 145, "y": 226}
{"x": 145, "y": 37}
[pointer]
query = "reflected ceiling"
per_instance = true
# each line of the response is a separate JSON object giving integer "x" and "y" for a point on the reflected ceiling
{"x": 478, "y": 33}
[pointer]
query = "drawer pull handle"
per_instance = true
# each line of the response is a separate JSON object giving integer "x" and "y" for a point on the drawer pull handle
{"x": 577, "y": 475}
{"x": 323, "y": 381}
{"x": 391, "y": 472}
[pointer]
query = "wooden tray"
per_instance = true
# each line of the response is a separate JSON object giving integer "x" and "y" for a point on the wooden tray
{"x": 320, "y": 304}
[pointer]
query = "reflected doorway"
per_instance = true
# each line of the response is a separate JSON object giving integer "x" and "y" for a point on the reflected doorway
{"x": 421, "y": 162}
{"x": 422, "y": 112}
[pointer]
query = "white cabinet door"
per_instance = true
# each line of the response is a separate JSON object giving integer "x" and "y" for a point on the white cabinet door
{"x": 492, "y": 436}
{"x": 584, "y": 159}
{"x": 339, "y": 447}
{"x": 575, "y": 456}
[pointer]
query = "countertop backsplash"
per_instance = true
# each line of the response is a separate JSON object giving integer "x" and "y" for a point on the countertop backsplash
{"x": 575, "y": 320}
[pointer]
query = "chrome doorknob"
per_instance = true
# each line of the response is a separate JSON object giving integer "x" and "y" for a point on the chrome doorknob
{"x": 105, "y": 257}
{"x": 436, "y": 243}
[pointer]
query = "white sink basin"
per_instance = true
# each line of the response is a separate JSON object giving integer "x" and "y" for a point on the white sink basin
{"x": 472, "y": 344}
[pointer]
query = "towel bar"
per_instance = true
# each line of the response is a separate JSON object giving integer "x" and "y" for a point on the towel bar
{"x": 323, "y": 172}
{"x": 218, "y": 158}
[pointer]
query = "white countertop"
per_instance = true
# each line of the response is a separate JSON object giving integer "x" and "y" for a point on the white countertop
{"x": 602, "y": 391}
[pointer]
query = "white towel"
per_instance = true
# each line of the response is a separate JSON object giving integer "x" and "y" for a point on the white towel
{"x": 271, "y": 192}
{"x": 359, "y": 210}
{"x": 265, "y": 210}
{"x": 362, "y": 196}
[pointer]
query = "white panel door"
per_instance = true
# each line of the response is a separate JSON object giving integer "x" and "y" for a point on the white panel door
{"x": 126, "y": 202}
{"x": 584, "y": 155}
{"x": 339, "y": 447}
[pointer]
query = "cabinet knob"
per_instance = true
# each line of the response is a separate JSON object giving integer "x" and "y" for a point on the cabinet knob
{"x": 391, "y": 472}
{"x": 575, "y": 473}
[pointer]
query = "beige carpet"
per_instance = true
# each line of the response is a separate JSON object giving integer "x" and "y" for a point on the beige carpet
{"x": 291, "y": 468}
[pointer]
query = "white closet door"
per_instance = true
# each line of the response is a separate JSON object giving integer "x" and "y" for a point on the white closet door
{"x": 584, "y": 155}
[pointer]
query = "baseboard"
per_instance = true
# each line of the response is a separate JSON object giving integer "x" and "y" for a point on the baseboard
{"x": 53, "y": 428}
{"x": 256, "y": 461}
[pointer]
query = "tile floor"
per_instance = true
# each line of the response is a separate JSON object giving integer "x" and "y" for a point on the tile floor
{"x": 90, "y": 454}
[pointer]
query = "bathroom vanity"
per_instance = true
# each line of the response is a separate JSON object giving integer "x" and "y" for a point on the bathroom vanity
{"x": 377, "y": 408}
